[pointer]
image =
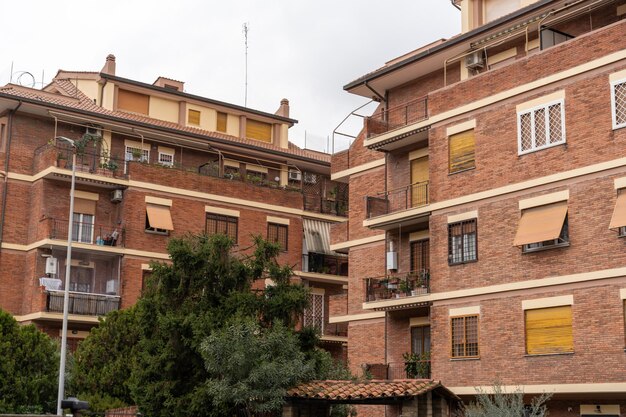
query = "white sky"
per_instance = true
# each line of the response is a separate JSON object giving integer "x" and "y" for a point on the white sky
{"x": 302, "y": 50}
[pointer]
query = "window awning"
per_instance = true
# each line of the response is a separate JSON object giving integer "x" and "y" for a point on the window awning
{"x": 159, "y": 217}
{"x": 541, "y": 223}
{"x": 619, "y": 214}
{"x": 317, "y": 236}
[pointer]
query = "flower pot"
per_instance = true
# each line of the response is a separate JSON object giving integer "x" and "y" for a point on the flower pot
{"x": 413, "y": 293}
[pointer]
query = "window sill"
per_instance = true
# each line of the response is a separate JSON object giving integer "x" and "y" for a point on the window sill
{"x": 560, "y": 245}
{"x": 470, "y": 358}
{"x": 529, "y": 151}
{"x": 463, "y": 263}
{"x": 535, "y": 355}
{"x": 154, "y": 232}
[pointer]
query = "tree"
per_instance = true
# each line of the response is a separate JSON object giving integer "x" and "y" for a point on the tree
{"x": 503, "y": 404}
{"x": 203, "y": 288}
{"x": 250, "y": 367}
{"x": 28, "y": 368}
{"x": 103, "y": 362}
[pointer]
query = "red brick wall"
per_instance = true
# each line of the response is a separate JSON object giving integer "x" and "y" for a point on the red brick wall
{"x": 365, "y": 261}
{"x": 366, "y": 345}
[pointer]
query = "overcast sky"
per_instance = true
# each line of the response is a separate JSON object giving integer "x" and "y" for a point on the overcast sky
{"x": 302, "y": 50}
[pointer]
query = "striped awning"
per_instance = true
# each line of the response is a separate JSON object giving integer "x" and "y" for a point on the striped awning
{"x": 317, "y": 236}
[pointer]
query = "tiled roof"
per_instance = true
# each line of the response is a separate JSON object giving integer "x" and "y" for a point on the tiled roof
{"x": 75, "y": 99}
{"x": 362, "y": 390}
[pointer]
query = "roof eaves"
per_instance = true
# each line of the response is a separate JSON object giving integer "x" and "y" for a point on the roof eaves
{"x": 199, "y": 98}
{"x": 438, "y": 48}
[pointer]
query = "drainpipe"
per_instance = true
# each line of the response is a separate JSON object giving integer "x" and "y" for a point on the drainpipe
{"x": 6, "y": 167}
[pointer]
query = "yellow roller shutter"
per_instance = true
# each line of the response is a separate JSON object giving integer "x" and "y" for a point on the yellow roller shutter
{"x": 549, "y": 330}
{"x": 461, "y": 147}
{"x": 419, "y": 182}
{"x": 221, "y": 121}
{"x": 193, "y": 117}
{"x": 131, "y": 101}
{"x": 84, "y": 206}
{"x": 258, "y": 130}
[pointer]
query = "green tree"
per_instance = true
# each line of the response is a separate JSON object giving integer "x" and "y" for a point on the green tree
{"x": 203, "y": 288}
{"x": 28, "y": 368}
{"x": 103, "y": 362}
{"x": 499, "y": 403}
{"x": 250, "y": 367}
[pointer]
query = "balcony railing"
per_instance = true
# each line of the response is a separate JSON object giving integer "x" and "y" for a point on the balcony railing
{"x": 396, "y": 117}
{"x": 403, "y": 198}
{"x": 326, "y": 264}
{"x": 86, "y": 232}
{"x": 324, "y": 205}
{"x": 387, "y": 287}
{"x": 82, "y": 303}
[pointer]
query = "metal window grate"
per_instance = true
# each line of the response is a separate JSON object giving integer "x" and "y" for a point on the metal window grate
{"x": 464, "y": 336}
{"x": 619, "y": 104}
{"x": 314, "y": 313}
{"x": 462, "y": 242}
{"x": 218, "y": 224}
{"x": 278, "y": 233}
{"x": 420, "y": 255}
{"x": 541, "y": 127}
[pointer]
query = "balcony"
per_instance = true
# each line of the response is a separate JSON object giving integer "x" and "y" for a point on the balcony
{"x": 82, "y": 303}
{"x": 407, "y": 287}
{"x": 320, "y": 263}
{"x": 398, "y": 126}
{"x": 85, "y": 232}
{"x": 400, "y": 199}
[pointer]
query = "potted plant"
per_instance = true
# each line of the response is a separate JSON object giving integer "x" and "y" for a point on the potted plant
{"x": 417, "y": 365}
{"x": 136, "y": 154}
{"x": 406, "y": 286}
{"x": 61, "y": 160}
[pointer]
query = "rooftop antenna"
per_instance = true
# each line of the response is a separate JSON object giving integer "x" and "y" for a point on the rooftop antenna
{"x": 246, "y": 28}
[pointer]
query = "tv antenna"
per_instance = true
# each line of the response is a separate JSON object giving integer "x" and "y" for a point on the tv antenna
{"x": 246, "y": 28}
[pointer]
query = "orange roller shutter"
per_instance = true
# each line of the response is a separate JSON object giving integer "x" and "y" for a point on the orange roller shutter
{"x": 258, "y": 130}
{"x": 221, "y": 121}
{"x": 159, "y": 217}
{"x": 84, "y": 206}
{"x": 131, "y": 101}
{"x": 549, "y": 330}
{"x": 541, "y": 223}
{"x": 619, "y": 213}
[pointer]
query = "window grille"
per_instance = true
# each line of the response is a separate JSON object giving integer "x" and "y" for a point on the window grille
{"x": 541, "y": 127}
{"x": 218, "y": 224}
{"x": 618, "y": 103}
{"x": 314, "y": 313}
{"x": 277, "y": 233}
{"x": 462, "y": 245}
{"x": 464, "y": 332}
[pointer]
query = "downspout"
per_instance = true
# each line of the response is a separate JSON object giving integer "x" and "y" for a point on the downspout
{"x": 102, "y": 92}
{"x": 6, "y": 167}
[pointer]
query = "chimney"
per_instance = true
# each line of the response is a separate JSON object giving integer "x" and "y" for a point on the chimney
{"x": 109, "y": 65}
{"x": 283, "y": 110}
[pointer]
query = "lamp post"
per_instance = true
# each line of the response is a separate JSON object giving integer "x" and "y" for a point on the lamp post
{"x": 66, "y": 294}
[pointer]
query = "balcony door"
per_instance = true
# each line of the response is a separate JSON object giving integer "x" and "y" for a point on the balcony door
{"x": 82, "y": 279}
{"x": 419, "y": 182}
{"x": 420, "y": 340}
{"x": 314, "y": 313}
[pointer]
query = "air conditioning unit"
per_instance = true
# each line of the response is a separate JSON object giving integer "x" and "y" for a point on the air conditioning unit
{"x": 310, "y": 178}
{"x": 116, "y": 196}
{"x": 51, "y": 265}
{"x": 295, "y": 176}
{"x": 476, "y": 60}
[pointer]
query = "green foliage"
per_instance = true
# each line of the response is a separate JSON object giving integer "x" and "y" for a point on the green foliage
{"x": 99, "y": 403}
{"x": 250, "y": 367}
{"x": 417, "y": 365}
{"x": 503, "y": 404}
{"x": 28, "y": 368}
{"x": 103, "y": 361}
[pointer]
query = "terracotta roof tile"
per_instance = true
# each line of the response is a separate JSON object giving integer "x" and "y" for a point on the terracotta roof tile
{"x": 75, "y": 99}
{"x": 359, "y": 390}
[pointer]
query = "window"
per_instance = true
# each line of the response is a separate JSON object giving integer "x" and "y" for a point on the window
{"x": 314, "y": 313}
{"x": 462, "y": 242}
{"x": 222, "y": 119}
{"x": 166, "y": 159}
{"x": 543, "y": 227}
{"x": 219, "y": 224}
{"x": 549, "y": 330}
{"x": 618, "y": 103}
{"x": 193, "y": 117}
{"x": 158, "y": 219}
{"x": 618, "y": 220}
{"x": 278, "y": 233}
{"x": 420, "y": 254}
{"x": 541, "y": 127}
{"x": 420, "y": 340}
{"x": 552, "y": 37}
{"x": 461, "y": 149}
{"x": 258, "y": 130}
{"x": 464, "y": 336}
{"x": 82, "y": 228}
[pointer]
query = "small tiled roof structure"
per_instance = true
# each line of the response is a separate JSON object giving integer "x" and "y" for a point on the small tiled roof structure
{"x": 359, "y": 391}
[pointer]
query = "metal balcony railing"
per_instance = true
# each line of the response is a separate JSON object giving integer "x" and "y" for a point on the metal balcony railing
{"x": 396, "y": 117}
{"x": 87, "y": 232}
{"x": 403, "y": 198}
{"x": 82, "y": 303}
{"x": 387, "y": 287}
{"x": 326, "y": 264}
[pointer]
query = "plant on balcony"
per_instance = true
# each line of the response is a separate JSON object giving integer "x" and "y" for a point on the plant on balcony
{"x": 61, "y": 160}
{"x": 417, "y": 365}
{"x": 406, "y": 285}
{"x": 88, "y": 138}
{"x": 136, "y": 153}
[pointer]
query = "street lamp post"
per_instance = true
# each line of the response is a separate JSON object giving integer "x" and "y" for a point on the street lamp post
{"x": 66, "y": 294}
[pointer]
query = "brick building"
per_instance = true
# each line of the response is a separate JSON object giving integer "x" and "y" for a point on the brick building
{"x": 488, "y": 208}
{"x": 152, "y": 162}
